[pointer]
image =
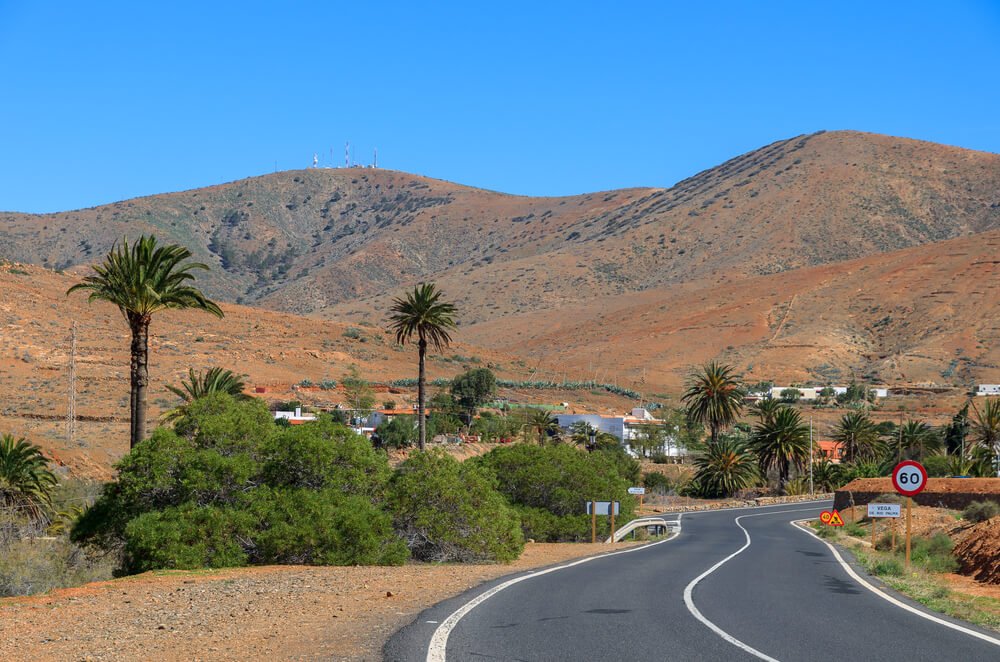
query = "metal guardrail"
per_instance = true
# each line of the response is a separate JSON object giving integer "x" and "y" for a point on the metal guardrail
{"x": 640, "y": 522}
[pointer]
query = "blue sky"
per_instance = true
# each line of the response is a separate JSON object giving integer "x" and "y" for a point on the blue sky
{"x": 105, "y": 101}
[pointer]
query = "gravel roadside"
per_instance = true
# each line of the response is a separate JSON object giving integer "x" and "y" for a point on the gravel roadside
{"x": 273, "y": 612}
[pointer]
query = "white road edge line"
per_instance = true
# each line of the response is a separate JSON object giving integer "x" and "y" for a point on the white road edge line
{"x": 439, "y": 640}
{"x": 885, "y": 596}
{"x": 689, "y": 589}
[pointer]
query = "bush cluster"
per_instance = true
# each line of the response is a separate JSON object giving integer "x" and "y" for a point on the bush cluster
{"x": 549, "y": 486}
{"x": 226, "y": 487}
{"x": 980, "y": 511}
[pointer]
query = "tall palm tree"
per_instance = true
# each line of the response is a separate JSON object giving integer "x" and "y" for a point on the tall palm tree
{"x": 858, "y": 436}
{"x": 213, "y": 380}
{"x": 142, "y": 279}
{"x": 780, "y": 443}
{"x": 422, "y": 312}
{"x": 913, "y": 440}
{"x": 725, "y": 468}
{"x": 986, "y": 427}
{"x": 25, "y": 481}
{"x": 766, "y": 408}
{"x": 714, "y": 397}
{"x": 542, "y": 423}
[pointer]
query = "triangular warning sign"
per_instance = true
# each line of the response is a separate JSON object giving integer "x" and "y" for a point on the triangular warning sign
{"x": 836, "y": 519}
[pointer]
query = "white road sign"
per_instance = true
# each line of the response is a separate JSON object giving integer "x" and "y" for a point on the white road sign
{"x": 884, "y": 510}
{"x": 637, "y": 490}
{"x": 604, "y": 507}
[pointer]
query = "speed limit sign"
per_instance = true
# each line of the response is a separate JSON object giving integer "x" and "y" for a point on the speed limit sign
{"x": 909, "y": 478}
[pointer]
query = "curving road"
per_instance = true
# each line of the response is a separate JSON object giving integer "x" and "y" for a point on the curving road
{"x": 734, "y": 585}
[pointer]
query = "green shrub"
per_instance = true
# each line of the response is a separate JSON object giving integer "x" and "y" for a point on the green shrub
{"x": 937, "y": 466}
{"x": 226, "y": 487}
{"x": 934, "y": 553}
{"x": 447, "y": 510}
{"x": 560, "y": 480}
{"x": 540, "y": 525}
{"x": 855, "y": 529}
{"x": 186, "y": 537}
{"x": 323, "y": 527}
{"x": 980, "y": 511}
{"x": 325, "y": 455}
{"x": 657, "y": 483}
{"x": 885, "y": 566}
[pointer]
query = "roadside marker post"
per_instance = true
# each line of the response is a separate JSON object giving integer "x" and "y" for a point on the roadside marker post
{"x": 593, "y": 521}
{"x": 909, "y": 478}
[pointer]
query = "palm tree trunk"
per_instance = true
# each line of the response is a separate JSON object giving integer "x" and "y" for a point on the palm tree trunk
{"x": 139, "y": 373}
{"x": 421, "y": 379}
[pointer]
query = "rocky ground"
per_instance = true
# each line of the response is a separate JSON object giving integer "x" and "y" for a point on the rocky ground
{"x": 275, "y": 612}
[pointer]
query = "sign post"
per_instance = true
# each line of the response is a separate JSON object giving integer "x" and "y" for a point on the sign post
{"x": 877, "y": 510}
{"x": 909, "y": 478}
{"x": 637, "y": 491}
{"x": 595, "y": 508}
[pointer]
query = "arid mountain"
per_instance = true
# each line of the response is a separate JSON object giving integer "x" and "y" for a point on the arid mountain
{"x": 812, "y": 260}
{"x": 274, "y": 350}
{"x": 339, "y": 242}
{"x": 923, "y": 315}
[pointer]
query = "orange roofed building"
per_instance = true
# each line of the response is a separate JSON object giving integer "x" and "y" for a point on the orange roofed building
{"x": 831, "y": 450}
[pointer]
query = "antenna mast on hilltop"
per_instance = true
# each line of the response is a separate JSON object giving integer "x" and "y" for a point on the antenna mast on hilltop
{"x": 375, "y": 162}
{"x": 347, "y": 154}
{"x": 71, "y": 405}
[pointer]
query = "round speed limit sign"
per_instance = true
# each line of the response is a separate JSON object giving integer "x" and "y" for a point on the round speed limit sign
{"x": 909, "y": 478}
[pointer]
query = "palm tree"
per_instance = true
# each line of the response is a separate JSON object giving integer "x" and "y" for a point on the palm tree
{"x": 913, "y": 440}
{"x": 725, "y": 468}
{"x": 858, "y": 436}
{"x": 714, "y": 397}
{"x": 422, "y": 312}
{"x": 141, "y": 279}
{"x": 542, "y": 423}
{"x": 766, "y": 408}
{"x": 25, "y": 481}
{"x": 582, "y": 432}
{"x": 213, "y": 380}
{"x": 781, "y": 442}
{"x": 986, "y": 427}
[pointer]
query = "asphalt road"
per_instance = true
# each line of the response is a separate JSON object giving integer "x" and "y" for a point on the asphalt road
{"x": 784, "y": 597}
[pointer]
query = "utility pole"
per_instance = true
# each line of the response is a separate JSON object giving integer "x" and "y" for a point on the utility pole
{"x": 71, "y": 405}
{"x": 810, "y": 456}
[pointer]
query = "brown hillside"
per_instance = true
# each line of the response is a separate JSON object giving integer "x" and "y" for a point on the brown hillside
{"x": 920, "y": 315}
{"x": 342, "y": 241}
{"x": 274, "y": 350}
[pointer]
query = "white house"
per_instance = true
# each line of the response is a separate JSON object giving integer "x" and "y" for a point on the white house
{"x": 809, "y": 393}
{"x": 988, "y": 389}
{"x": 626, "y": 427}
{"x": 295, "y": 417}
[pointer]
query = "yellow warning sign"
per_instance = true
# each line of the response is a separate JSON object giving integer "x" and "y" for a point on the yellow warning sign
{"x": 836, "y": 519}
